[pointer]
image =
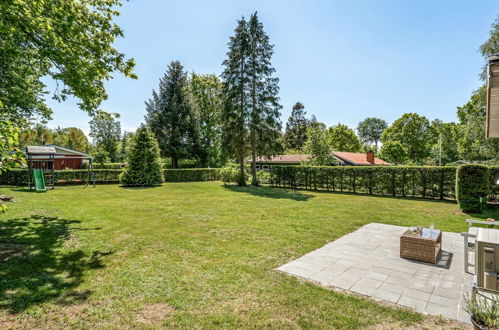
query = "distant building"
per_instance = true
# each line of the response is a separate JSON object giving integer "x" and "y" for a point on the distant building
{"x": 344, "y": 158}
{"x": 52, "y": 157}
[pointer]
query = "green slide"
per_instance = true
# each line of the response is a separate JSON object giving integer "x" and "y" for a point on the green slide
{"x": 39, "y": 180}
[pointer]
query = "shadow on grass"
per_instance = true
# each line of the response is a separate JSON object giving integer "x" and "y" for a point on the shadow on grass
{"x": 139, "y": 187}
{"x": 269, "y": 192}
{"x": 361, "y": 194}
{"x": 37, "y": 265}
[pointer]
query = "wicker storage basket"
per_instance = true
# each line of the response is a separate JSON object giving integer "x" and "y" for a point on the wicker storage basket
{"x": 413, "y": 246}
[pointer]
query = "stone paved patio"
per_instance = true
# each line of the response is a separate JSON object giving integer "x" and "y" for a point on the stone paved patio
{"x": 367, "y": 262}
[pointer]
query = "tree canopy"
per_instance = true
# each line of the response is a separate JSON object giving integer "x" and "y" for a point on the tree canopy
{"x": 317, "y": 147}
{"x": 172, "y": 118}
{"x": 296, "y": 127}
{"x": 370, "y": 130}
{"x": 414, "y": 133}
{"x": 206, "y": 93}
{"x": 69, "y": 41}
{"x": 250, "y": 112}
{"x": 105, "y": 130}
{"x": 342, "y": 138}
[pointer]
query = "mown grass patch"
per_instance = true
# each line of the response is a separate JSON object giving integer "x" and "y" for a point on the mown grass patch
{"x": 190, "y": 255}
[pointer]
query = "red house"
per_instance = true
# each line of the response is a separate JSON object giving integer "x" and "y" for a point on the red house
{"x": 52, "y": 157}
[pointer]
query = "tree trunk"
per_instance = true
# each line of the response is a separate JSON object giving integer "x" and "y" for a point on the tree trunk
{"x": 242, "y": 177}
{"x": 254, "y": 180}
{"x": 174, "y": 162}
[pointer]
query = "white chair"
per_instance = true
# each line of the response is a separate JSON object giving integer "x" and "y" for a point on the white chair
{"x": 470, "y": 239}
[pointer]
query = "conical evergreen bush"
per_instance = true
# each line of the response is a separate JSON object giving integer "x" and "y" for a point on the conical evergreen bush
{"x": 144, "y": 168}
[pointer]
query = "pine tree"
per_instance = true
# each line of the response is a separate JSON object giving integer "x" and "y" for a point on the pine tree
{"x": 235, "y": 109}
{"x": 144, "y": 168}
{"x": 250, "y": 113}
{"x": 264, "y": 108}
{"x": 296, "y": 127}
{"x": 171, "y": 117}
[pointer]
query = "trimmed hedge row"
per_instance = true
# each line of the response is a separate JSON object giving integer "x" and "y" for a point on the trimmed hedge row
{"x": 405, "y": 181}
{"x": 19, "y": 177}
{"x": 472, "y": 187}
{"x": 108, "y": 166}
{"x": 192, "y": 174}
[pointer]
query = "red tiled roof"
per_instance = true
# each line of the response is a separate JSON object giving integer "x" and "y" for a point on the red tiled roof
{"x": 284, "y": 159}
{"x": 350, "y": 157}
{"x": 357, "y": 158}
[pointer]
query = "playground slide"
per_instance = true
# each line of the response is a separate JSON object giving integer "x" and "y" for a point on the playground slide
{"x": 39, "y": 180}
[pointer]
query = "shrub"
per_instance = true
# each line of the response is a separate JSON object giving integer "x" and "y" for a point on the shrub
{"x": 144, "y": 168}
{"x": 231, "y": 174}
{"x": 192, "y": 174}
{"x": 483, "y": 310}
{"x": 109, "y": 166}
{"x": 263, "y": 176}
{"x": 472, "y": 187}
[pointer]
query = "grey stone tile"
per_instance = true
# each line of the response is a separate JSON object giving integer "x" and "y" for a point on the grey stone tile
{"x": 366, "y": 286}
{"x": 342, "y": 283}
{"x": 413, "y": 293}
{"x": 443, "y": 301}
{"x": 413, "y": 303}
{"x": 376, "y": 276}
{"x": 435, "y": 309}
{"x": 392, "y": 288}
{"x": 397, "y": 280}
{"x": 448, "y": 293}
{"x": 386, "y": 295}
{"x": 421, "y": 286}
{"x": 352, "y": 274}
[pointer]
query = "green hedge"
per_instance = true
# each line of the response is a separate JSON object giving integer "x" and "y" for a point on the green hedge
{"x": 108, "y": 166}
{"x": 472, "y": 186}
{"x": 19, "y": 177}
{"x": 192, "y": 174}
{"x": 405, "y": 181}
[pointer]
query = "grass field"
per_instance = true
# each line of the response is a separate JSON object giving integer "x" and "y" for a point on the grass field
{"x": 190, "y": 255}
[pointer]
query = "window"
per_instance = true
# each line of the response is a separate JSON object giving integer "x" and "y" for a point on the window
{"x": 265, "y": 167}
{"x": 257, "y": 166}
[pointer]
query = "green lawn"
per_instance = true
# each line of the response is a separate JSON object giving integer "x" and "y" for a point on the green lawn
{"x": 190, "y": 255}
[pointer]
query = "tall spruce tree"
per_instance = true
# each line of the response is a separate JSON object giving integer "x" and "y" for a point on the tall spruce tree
{"x": 264, "y": 124}
{"x": 235, "y": 108}
{"x": 251, "y": 109}
{"x": 171, "y": 117}
{"x": 144, "y": 168}
{"x": 296, "y": 127}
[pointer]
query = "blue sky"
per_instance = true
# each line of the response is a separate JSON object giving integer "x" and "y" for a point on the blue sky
{"x": 345, "y": 60}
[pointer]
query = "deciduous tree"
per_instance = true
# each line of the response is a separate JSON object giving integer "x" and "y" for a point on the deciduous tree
{"x": 105, "y": 130}
{"x": 342, "y": 138}
{"x": 318, "y": 148}
{"x": 206, "y": 93}
{"x": 70, "y": 41}
{"x": 370, "y": 130}
{"x": 414, "y": 133}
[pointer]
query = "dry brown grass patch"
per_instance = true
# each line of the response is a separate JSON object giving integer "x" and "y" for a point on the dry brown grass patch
{"x": 154, "y": 313}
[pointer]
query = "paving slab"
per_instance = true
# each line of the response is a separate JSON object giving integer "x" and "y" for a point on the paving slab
{"x": 367, "y": 262}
